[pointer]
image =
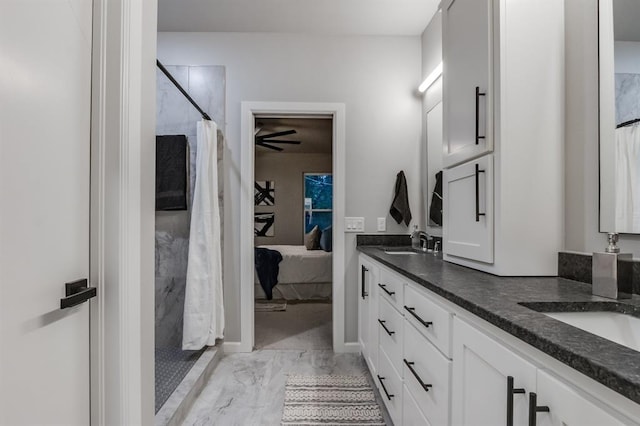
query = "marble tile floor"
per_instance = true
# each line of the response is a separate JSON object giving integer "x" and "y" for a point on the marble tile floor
{"x": 301, "y": 326}
{"x": 248, "y": 388}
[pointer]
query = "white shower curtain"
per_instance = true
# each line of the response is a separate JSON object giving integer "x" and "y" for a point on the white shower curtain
{"x": 627, "y": 181}
{"x": 203, "y": 304}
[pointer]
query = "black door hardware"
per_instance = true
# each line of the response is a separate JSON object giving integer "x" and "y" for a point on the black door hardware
{"x": 384, "y": 287}
{"x": 510, "y": 392}
{"x": 363, "y": 293}
{"x": 389, "y": 332}
{"x": 77, "y": 292}
{"x": 478, "y": 94}
{"x": 478, "y": 214}
{"x": 415, "y": 374}
{"x": 389, "y": 396}
{"x": 534, "y": 408}
{"x": 416, "y": 316}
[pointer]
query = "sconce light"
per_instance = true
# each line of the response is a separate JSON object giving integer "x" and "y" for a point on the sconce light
{"x": 437, "y": 72}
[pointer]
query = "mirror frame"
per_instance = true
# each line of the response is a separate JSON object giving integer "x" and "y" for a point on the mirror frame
{"x": 606, "y": 122}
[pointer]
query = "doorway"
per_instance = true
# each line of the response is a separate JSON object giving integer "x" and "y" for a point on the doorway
{"x": 251, "y": 111}
{"x": 293, "y": 227}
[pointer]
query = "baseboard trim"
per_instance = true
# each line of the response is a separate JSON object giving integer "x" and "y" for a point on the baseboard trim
{"x": 351, "y": 347}
{"x": 234, "y": 347}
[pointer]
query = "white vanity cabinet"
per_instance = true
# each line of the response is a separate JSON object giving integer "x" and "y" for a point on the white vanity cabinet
{"x": 437, "y": 364}
{"x": 494, "y": 385}
{"x": 467, "y": 34}
{"x": 507, "y": 218}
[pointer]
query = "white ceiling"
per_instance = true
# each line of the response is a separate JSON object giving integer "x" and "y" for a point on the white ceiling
{"x": 336, "y": 17}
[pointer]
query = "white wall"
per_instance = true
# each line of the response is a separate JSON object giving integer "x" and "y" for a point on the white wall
{"x": 287, "y": 171}
{"x": 581, "y": 144}
{"x": 627, "y": 57}
{"x": 375, "y": 77}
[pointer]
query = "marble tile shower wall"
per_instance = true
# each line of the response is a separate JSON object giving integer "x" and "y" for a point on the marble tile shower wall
{"x": 176, "y": 116}
{"x": 627, "y": 96}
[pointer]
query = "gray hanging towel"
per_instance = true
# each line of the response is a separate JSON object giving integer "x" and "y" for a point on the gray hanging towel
{"x": 435, "y": 211}
{"x": 400, "y": 210}
{"x": 171, "y": 172}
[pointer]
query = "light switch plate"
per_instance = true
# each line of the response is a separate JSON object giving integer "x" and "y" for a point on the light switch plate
{"x": 354, "y": 224}
{"x": 382, "y": 224}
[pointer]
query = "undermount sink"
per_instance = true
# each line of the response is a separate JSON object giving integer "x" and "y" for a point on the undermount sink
{"x": 617, "y": 327}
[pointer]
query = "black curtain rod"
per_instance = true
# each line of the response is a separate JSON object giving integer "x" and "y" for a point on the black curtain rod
{"x": 184, "y": 92}
{"x": 628, "y": 123}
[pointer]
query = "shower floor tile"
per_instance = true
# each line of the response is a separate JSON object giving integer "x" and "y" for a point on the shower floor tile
{"x": 172, "y": 365}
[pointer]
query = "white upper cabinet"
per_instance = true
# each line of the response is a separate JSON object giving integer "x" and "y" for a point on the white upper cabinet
{"x": 513, "y": 51}
{"x": 467, "y": 59}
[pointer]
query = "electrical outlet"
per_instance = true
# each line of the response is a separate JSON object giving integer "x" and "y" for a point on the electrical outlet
{"x": 382, "y": 224}
{"x": 354, "y": 224}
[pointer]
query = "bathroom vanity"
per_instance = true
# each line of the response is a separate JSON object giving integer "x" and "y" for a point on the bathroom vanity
{"x": 448, "y": 345}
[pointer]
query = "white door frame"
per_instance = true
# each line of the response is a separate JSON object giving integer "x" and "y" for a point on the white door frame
{"x": 122, "y": 212}
{"x": 249, "y": 110}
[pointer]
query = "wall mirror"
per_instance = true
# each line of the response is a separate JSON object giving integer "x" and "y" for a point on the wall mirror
{"x": 619, "y": 56}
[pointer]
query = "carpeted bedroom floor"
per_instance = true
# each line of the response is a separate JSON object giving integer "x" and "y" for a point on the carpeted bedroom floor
{"x": 303, "y": 326}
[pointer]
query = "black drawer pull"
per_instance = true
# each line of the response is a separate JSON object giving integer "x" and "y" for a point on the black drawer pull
{"x": 478, "y": 214}
{"x": 534, "y": 408}
{"x": 415, "y": 374}
{"x": 363, "y": 293}
{"x": 389, "y": 332}
{"x": 478, "y": 94}
{"x": 389, "y": 396}
{"x": 384, "y": 287}
{"x": 412, "y": 312}
{"x": 510, "y": 392}
{"x": 77, "y": 292}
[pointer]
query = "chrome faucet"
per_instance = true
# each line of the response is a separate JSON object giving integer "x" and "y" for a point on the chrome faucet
{"x": 424, "y": 240}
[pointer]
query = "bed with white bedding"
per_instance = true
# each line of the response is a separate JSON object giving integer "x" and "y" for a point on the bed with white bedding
{"x": 303, "y": 275}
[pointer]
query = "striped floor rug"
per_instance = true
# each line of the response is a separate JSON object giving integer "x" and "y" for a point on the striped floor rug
{"x": 330, "y": 400}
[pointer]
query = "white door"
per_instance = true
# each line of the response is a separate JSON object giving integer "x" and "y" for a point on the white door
{"x": 45, "y": 80}
{"x": 468, "y": 210}
{"x": 466, "y": 54}
{"x": 481, "y": 371}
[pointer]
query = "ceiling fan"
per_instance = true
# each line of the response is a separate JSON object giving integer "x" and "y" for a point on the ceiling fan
{"x": 266, "y": 140}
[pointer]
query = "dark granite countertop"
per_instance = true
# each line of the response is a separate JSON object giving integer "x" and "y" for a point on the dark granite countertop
{"x": 497, "y": 300}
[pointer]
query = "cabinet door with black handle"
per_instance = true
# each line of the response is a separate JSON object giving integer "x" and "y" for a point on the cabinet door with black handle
{"x": 468, "y": 210}
{"x": 467, "y": 28}
{"x": 491, "y": 384}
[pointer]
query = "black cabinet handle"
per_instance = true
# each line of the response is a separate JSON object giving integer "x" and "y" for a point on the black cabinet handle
{"x": 389, "y": 396}
{"x": 534, "y": 408}
{"x": 478, "y": 94}
{"x": 478, "y": 214}
{"x": 415, "y": 374}
{"x": 77, "y": 292}
{"x": 384, "y": 287}
{"x": 389, "y": 332}
{"x": 363, "y": 293}
{"x": 416, "y": 316}
{"x": 510, "y": 392}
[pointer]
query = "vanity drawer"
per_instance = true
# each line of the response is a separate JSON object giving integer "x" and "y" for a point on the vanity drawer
{"x": 424, "y": 363}
{"x": 391, "y": 286}
{"x": 429, "y": 318}
{"x": 390, "y": 331}
{"x": 411, "y": 414}
{"x": 390, "y": 386}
